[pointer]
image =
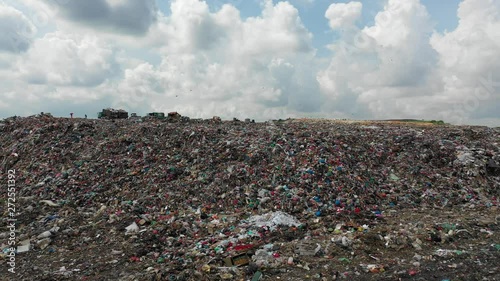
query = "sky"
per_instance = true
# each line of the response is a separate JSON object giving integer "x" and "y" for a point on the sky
{"x": 258, "y": 59}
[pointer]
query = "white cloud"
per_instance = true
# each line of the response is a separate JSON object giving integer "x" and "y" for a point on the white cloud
{"x": 16, "y": 30}
{"x": 203, "y": 62}
{"x": 119, "y": 17}
{"x": 192, "y": 27}
{"x": 395, "y": 69}
{"x": 215, "y": 62}
{"x": 382, "y": 63}
{"x": 469, "y": 61}
{"x": 343, "y": 14}
{"x": 68, "y": 59}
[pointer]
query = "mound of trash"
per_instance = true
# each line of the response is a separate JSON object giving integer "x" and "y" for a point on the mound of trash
{"x": 153, "y": 200}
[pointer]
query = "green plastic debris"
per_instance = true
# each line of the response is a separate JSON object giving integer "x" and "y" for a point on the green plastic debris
{"x": 449, "y": 226}
{"x": 218, "y": 250}
{"x": 257, "y": 276}
{"x": 346, "y": 260}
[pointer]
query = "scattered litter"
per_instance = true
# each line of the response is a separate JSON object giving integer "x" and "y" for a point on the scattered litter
{"x": 50, "y": 203}
{"x": 24, "y": 246}
{"x": 133, "y": 228}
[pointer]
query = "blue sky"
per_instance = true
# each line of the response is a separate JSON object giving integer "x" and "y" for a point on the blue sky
{"x": 262, "y": 59}
{"x": 444, "y": 13}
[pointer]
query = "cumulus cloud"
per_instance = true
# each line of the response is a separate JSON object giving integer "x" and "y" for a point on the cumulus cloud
{"x": 468, "y": 64}
{"x": 384, "y": 62}
{"x": 212, "y": 62}
{"x": 203, "y": 61}
{"x": 401, "y": 40}
{"x": 401, "y": 68}
{"x": 16, "y": 30}
{"x": 68, "y": 59}
{"x": 216, "y": 62}
{"x": 343, "y": 14}
{"x": 192, "y": 27}
{"x": 126, "y": 16}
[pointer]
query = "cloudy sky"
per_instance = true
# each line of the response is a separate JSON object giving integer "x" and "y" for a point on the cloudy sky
{"x": 262, "y": 59}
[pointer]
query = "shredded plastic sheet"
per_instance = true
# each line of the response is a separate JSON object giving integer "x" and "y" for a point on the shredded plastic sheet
{"x": 273, "y": 219}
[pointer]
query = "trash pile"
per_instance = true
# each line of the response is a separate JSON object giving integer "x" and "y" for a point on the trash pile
{"x": 228, "y": 200}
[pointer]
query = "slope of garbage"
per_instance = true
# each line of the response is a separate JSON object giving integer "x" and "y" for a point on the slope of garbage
{"x": 278, "y": 200}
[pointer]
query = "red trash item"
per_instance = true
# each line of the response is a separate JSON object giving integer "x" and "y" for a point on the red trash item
{"x": 243, "y": 247}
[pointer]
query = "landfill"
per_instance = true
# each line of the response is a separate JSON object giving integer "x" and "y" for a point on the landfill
{"x": 295, "y": 199}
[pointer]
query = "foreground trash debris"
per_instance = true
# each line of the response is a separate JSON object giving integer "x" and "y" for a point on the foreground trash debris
{"x": 223, "y": 200}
